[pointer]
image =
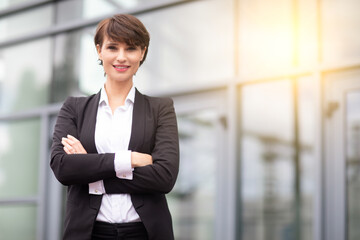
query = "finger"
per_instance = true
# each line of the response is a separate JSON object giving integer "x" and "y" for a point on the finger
{"x": 67, "y": 141}
{"x": 66, "y": 150}
{"x": 71, "y": 138}
{"x": 70, "y": 148}
{"x": 76, "y": 144}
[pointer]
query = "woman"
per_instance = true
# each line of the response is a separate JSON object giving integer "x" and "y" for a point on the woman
{"x": 117, "y": 150}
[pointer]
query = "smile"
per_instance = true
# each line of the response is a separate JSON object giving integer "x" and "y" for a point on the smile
{"x": 121, "y": 68}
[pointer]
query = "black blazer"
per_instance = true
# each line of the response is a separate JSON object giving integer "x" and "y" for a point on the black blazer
{"x": 154, "y": 131}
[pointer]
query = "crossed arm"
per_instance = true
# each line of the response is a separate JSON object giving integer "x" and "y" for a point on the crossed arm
{"x": 74, "y": 146}
{"x": 155, "y": 173}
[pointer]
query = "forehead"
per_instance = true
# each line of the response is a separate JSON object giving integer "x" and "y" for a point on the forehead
{"x": 108, "y": 40}
{"x": 111, "y": 41}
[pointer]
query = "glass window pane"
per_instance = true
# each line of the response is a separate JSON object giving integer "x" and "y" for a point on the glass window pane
{"x": 76, "y": 66}
{"x": 184, "y": 51}
{"x": 91, "y": 74}
{"x": 25, "y": 74}
{"x": 9, "y": 3}
{"x": 19, "y": 158}
{"x": 267, "y": 161}
{"x": 18, "y": 222}
{"x": 341, "y": 38}
{"x": 71, "y": 10}
{"x": 308, "y": 161}
{"x": 353, "y": 163}
{"x": 266, "y": 37}
{"x": 307, "y": 49}
{"x": 171, "y": 62}
{"x": 192, "y": 201}
{"x": 66, "y": 66}
{"x": 25, "y": 22}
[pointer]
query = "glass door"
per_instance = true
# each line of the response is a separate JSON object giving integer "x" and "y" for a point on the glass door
{"x": 353, "y": 162}
{"x": 194, "y": 202}
{"x": 342, "y": 156}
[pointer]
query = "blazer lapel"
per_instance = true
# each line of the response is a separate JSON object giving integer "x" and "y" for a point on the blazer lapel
{"x": 137, "y": 137}
{"x": 138, "y": 123}
{"x": 87, "y": 136}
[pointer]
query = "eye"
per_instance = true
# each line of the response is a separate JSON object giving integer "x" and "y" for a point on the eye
{"x": 131, "y": 48}
{"x": 112, "y": 47}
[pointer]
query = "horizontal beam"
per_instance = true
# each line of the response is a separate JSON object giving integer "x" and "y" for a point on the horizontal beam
{"x": 23, "y": 7}
{"x": 32, "y": 113}
{"x": 75, "y": 25}
{"x": 19, "y": 201}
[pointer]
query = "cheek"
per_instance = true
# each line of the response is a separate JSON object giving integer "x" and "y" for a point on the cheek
{"x": 136, "y": 58}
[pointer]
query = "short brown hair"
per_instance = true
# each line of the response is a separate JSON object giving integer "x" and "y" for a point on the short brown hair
{"x": 123, "y": 28}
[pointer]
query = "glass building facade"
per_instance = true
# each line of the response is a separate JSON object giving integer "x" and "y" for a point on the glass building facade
{"x": 267, "y": 95}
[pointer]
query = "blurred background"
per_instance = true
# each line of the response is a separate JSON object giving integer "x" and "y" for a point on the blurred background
{"x": 267, "y": 95}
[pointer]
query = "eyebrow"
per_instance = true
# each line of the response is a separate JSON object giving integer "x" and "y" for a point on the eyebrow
{"x": 112, "y": 43}
{"x": 117, "y": 43}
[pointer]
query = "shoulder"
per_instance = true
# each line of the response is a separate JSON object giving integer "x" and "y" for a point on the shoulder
{"x": 159, "y": 104}
{"x": 77, "y": 104}
{"x": 83, "y": 100}
{"x": 159, "y": 100}
{"x": 154, "y": 101}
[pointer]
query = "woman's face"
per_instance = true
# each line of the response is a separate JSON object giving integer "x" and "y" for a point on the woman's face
{"x": 120, "y": 61}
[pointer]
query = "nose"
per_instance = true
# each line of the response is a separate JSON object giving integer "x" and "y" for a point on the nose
{"x": 121, "y": 56}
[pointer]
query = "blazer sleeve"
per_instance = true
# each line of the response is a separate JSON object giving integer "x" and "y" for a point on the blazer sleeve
{"x": 72, "y": 169}
{"x": 160, "y": 176}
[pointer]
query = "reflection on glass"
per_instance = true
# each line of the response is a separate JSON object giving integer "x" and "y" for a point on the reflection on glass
{"x": 307, "y": 158}
{"x": 171, "y": 62}
{"x": 277, "y": 164}
{"x": 25, "y": 22}
{"x": 26, "y": 75}
{"x": 341, "y": 39}
{"x": 353, "y": 163}
{"x": 192, "y": 201}
{"x": 185, "y": 51}
{"x": 267, "y": 155}
{"x": 69, "y": 11}
{"x": 19, "y": 158}
{"x": 18, "y": 222}
{"x": 9, "y": 3}
{"x": 306, "y": 33}
{"x": 66, "y": 66}
{"x": 266, "y": 36}
{"x": 76, "y": 65}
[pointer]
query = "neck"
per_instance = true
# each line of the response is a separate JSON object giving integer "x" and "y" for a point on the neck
{"x": 117, "y": 92}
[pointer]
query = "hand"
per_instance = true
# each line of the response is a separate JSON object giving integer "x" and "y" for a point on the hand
{"x": 72, "y": 145}
{"x": 140, "y": 159}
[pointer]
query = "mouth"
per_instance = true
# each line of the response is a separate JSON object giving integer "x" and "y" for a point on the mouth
{"x": 121, "y": 68}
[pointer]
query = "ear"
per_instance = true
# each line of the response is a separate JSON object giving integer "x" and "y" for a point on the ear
{"x": 98, "y": 49}
{"x": 143, "y": 53}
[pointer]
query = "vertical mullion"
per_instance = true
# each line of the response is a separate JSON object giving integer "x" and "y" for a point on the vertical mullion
{"x": 297, "y": 167}
{"x": 53, "y": 205}
{"x": 42, "y": 176}
{"x": 234, "y": 137}
{"x": 319, "y": 200}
